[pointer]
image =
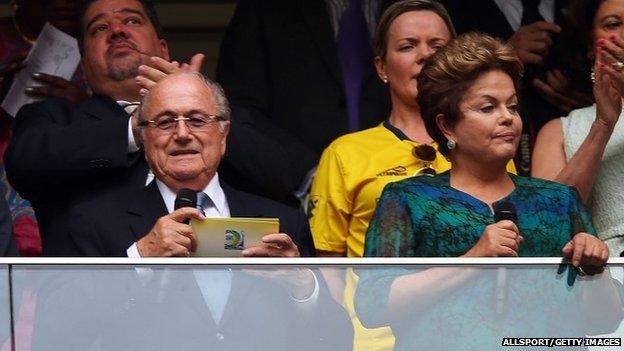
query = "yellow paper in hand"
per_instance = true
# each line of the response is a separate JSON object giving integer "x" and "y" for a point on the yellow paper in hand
{"x": 228, "y": 237}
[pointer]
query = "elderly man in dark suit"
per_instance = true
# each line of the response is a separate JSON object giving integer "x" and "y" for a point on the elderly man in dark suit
{"x": 184, "y": 126}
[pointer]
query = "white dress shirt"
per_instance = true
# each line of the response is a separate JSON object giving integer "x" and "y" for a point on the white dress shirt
{"x": 512, "y": 9}
{"x": 132, "y": 145}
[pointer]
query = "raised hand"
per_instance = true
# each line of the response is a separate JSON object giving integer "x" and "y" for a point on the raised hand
{"x": 158, "y": 68}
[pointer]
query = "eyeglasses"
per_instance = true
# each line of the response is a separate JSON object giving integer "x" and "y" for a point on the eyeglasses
{"x": 427, "y": 154}
{"x": 195, "y": 122}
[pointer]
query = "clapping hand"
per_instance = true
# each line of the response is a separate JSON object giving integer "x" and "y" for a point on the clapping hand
{"x": 158, "y": 68}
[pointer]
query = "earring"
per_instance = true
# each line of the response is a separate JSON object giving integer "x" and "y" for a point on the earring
{"x": 451, "y": 144}
{"x": 384, "y": 79}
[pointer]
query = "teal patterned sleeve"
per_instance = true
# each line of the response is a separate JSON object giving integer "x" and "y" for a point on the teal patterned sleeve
{"x": 581, "y": 220}
{"x": 390, "y": 234}
{"x": 391, "y": 231}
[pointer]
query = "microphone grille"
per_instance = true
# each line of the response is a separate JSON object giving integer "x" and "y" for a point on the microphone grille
{"x": 505, "y": 210}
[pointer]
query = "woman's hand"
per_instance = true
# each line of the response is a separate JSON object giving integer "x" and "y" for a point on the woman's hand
{"x": 609, "y": 81}
{"x": 499, "y": 239}
{"x": 588, "y": 252}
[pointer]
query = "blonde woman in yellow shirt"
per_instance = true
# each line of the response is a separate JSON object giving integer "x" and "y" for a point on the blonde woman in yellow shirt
{"x": 355, "y": 168}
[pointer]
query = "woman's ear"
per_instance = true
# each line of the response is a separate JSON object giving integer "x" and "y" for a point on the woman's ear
{"x": 445, "y": 127}
{"x": 380, "y": 66}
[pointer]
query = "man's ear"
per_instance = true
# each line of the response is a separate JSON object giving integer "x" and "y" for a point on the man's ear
{"x": 164, "y": 49}
{"x": 225, "y": 132}
{"x": 445, "y": 127}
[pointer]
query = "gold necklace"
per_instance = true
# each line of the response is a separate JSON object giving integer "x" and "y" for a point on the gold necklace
{"x": 21, "y": 34}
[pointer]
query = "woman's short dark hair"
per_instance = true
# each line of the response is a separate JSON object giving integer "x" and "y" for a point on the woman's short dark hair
{"x": 395, "y": 10}
{"x": 451, "y": 71}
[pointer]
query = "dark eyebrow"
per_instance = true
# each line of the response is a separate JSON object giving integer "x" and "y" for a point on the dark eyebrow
{"x": 492, "y": 98}
{"x": 124, "y": 10}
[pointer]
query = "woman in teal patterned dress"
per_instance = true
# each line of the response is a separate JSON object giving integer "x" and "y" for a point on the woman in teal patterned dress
{"x": 467, "y": 93}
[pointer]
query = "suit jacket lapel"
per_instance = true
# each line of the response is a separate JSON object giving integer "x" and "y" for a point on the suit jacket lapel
{"x": 238, "y": 204}
{"x": 314, "y": 14}
{"x": 101, "y": 107}
{"x": 145, "y": 209}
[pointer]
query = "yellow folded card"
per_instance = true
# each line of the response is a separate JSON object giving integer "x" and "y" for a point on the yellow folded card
{"x": 227, "y": 237}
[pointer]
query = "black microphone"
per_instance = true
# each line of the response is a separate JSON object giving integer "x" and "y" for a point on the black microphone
{"x": 185, "y": 198}
{"x": 503, "y": 210}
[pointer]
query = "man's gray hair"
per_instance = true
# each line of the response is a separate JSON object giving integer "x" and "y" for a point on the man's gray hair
{"x": 223, "y": 105}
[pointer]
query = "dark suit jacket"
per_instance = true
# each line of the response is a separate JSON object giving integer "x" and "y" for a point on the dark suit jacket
{"x": 280, "y": 57}
{"x": 77, "y": 306}
{"x": 59, "y": 151}
{"x": 264, "y": 159}
{"x": 108, "y": 223}
{"x": 170, "y": 312}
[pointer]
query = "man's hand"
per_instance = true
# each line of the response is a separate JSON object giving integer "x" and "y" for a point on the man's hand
{"x": 532, "y": 42}
{"x": 498, "y": 239}
{"x": 273, "y": 245}
{"x": 54, "y": 86}
{"x": 158, "y": 68}
{"x": 588, "y": 252}
{"x": 170, "y": 236}
{"x": 557, "y": 91}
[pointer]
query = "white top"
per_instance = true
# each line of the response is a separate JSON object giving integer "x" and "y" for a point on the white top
{"x": 606, "y": 203}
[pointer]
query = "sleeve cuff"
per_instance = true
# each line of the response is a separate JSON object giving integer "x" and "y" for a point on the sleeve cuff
{"x": 314, "y": 296}
{"x": 133, "y": 252}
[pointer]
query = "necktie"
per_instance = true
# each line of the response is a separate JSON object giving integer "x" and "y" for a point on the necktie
{"x": 203, "y": 200}
{"x": 355, "y": 55}
{"x": 530, "y": 12}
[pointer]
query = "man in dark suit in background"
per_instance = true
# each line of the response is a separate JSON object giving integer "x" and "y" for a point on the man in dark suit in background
{"x": 60, "y": 151}
{"x": 292, "y": 61}
{"x": 533, "y": 28}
